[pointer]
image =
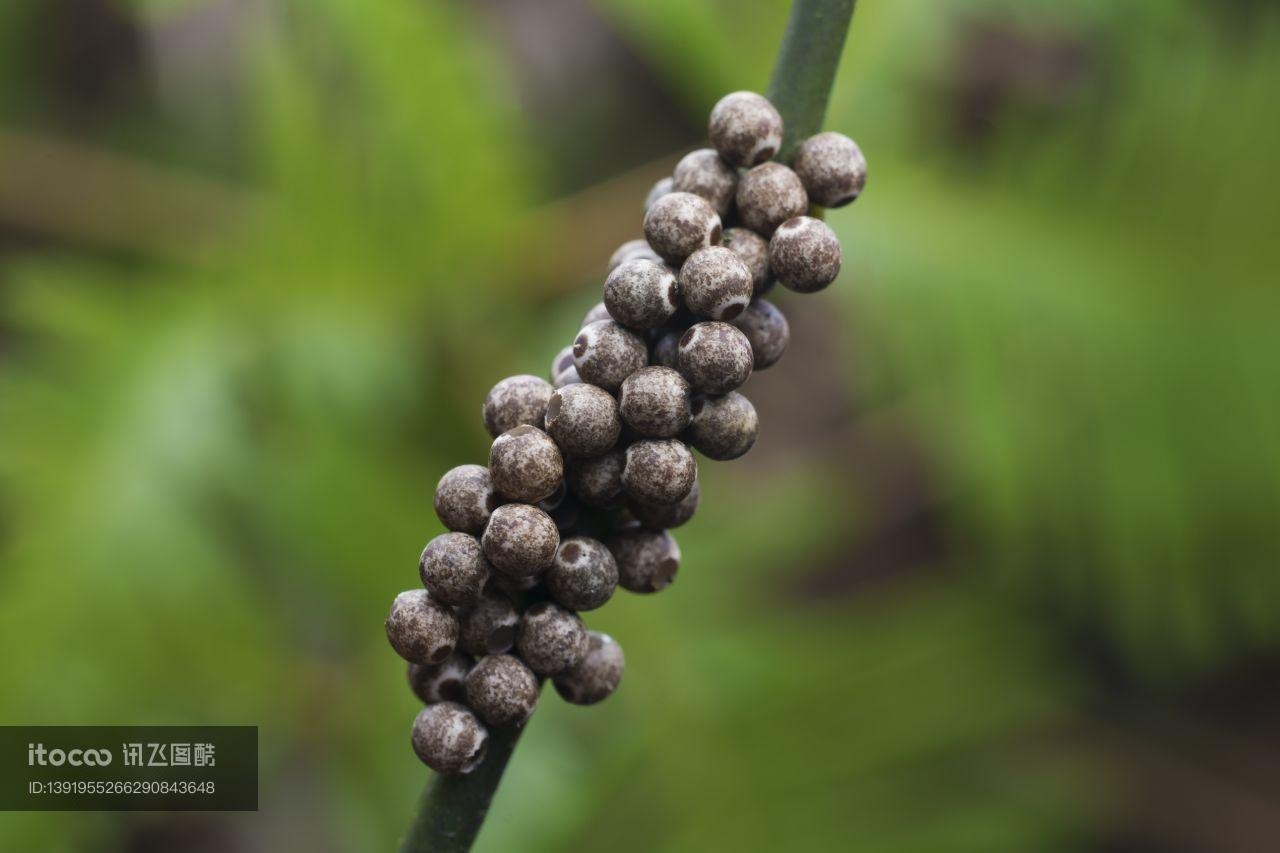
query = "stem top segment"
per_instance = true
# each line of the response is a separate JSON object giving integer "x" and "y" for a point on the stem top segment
{"x": 806, "y": 67}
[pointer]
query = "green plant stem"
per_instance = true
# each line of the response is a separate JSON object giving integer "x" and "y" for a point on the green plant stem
{"x": 453, "y": 808}
{"x": 806, "y": 67}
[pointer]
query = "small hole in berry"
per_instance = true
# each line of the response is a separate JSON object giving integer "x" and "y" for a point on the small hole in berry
{"x": 579, "y": 346}
{"x": 500, "y": 639}
{"x": 571, "y": 551}
{"x": 687, "y": 338}
{"x": 732, "y": 311}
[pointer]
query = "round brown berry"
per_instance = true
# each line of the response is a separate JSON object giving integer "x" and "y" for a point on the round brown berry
{"x": 550, "y": 639}
{"x": 745, "y": 128}
{"x": 723, "y": 427}
{"x": 768, "y": 196}
{"x": 832, "y": 168}
{"x": 568, "y": 377}
{"x": 562, "y": 362}
{"x": 767, "y": 330}
{"x": 420, "y": 629}
{"x": 583, "y": 420}
{"x": 514, "y": 401}
{"x": 716, "y": 283}
{"x": 641, "y": 294}
{"x": 597, "y": 482}
{"x": 442, "y": 682}
{"x": 595, "y": 314}
{"x": 632, "y": 250}
{"x": 502, "y": 690}
{"x": 449, "y": 739}
{"x": 657, "y": 191}
{"x": 715, "y": 358}
{"x": 521, "y": 540}
{"x": 679, "y": 224}
{"x": 525, "y": 464}
{"x": 489, "y": 626}
{"x": 453, "y": 568}
{"x": 805, "y": 254}
{"x": 662, "y": 353}
{"x": 648, "y": 560}
{"x": 583, "y": 574}
{"x": 564, "y": 509}
{"x": 754, "y": 252}
{"x": 464, "y": 498}
{"x": 654, "y": 401}
{"x": 704, "y": 174}
{"x": 666, "y": 516}
{"x": 660, "y": 471}
{"x": 598, "y": 674}
{"x": 606, "y": 353}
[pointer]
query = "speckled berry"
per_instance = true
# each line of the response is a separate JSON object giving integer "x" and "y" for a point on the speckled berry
{"x": 805, "y": 254}
{"x": 515, "y": 587}
{"x": 550, "y": 639}
{"x": 595, "y": 314}
{"x": 598, "y": 482}
{"x": 606, "y": 353}
{"x": 714, "y": 358}
{"x": 489, "y": 626}
{"x": 768, "y": 196}
{"x": 448, "y": 738}
{"x": 724, "y": 427}
{"x": 648, "y": 560}
{"x": 514, "y": 401}
{"x": 666, "y": 516}
{"x": 745, "y": 128}
{"x": 596, "y": 676}
{"x": 715, "y": 283}
{"x": 832, "y": 168}
{"x": 654, "y": 401}
{"x": 464, "y": 498}
{"x": 583, "y": 574}
{"x": 521, "y": 540}
{"x": 704, "y": 174}
{"x": 442, "y": 682}
{"x": 502, "y": 690}
{"x": 754, "y": 252}
{"x": 767, "y": 330}
{"x": 567, "y": 377}
{"x": 641, "y": 294}
{"x": 453, "y": 568}
{"x": 525, "y": 464}
{"x": 420, "y": 629}
{"x": 679, "y": 224}
{"x": 659, "y": 471}
{"x": 665, "y": 347}
{"x": 562, "y": 362}
{"x": 660, "y": 188}
{"x": 583, "y": 420}
{"x": 564, "y": 509}
{"x": 632, "y": 250}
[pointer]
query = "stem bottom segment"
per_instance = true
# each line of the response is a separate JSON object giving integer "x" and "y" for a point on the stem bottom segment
{"x": 452, "y": 808}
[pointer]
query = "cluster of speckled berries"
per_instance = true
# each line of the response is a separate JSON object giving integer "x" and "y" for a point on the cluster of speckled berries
{"x": 588, "y": 472}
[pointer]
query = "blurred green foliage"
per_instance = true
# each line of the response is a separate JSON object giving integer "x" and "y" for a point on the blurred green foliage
{"x": 216, "y": 475}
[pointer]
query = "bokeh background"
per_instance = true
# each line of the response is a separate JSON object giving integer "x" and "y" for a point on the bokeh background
{"x": 1000, "y": 575}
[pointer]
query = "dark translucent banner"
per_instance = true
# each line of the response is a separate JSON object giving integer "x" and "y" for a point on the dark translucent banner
{"x": 114, "y": 768}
